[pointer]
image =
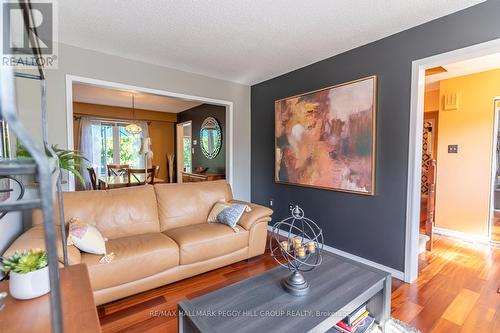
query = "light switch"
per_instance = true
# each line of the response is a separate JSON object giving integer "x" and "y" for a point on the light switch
{"x": 452, "y": 149}
{"x": 450, "y": 101}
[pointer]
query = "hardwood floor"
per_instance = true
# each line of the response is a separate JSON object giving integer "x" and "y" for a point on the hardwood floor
{"x": 456, "y": 292}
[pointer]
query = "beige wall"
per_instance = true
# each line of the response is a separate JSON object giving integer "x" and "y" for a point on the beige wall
{"x": 463, "y": 179}
{"x": 96, "y": 65}
{"x": 161, "y": 128}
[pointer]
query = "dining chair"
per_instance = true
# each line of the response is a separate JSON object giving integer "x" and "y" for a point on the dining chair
{"x": 117, "y": 169}
{"x": 93, "y": 178}
{"x": 102, "y": 185}
{"x": 157, "y": 170}
{"x": 150, "y": 178}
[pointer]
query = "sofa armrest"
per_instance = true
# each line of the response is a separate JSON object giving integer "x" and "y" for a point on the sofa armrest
{"x": 34, "y": 239}
{"x": 258, "y": 214}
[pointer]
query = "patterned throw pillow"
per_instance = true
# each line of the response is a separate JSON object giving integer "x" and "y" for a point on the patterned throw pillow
{"x": 88, "y": 238}
{"x": 231, "y": 215}
{"x": 227, "y": 213}
{"x": 216, "y": 209}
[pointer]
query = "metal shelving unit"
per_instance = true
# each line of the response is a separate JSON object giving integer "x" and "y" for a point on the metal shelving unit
{"x": 44, "y": 165}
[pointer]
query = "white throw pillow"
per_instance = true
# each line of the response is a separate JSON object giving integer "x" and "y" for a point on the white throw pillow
{"x": 86, "y": 237}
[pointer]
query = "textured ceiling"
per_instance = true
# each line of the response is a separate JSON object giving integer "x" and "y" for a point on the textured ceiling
{"x": 245, "y": 41}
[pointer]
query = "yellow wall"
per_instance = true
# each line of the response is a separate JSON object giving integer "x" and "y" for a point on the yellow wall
{"x": 431, "y": 101}
{"x": 161, "y": 128}
{"x": 463, "y": 179}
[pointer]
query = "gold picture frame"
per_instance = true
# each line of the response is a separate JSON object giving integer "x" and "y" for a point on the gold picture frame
{"x": 326, "y": 138}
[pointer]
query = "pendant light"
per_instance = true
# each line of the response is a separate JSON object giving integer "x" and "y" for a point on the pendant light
{"x": 133, "y": 128}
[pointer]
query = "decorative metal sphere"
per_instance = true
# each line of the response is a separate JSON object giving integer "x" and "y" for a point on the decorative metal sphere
{"x": 296, "y": 243}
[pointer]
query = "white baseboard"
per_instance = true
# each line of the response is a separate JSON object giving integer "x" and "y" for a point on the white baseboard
{"x": 461, "y": 235}
{"x": 395, "y": 273}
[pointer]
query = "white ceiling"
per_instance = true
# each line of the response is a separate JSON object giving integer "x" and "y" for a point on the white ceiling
{"x": 475, "y": 65}
{"x": 86, "y": 93}
{"x": 246, "y": 41}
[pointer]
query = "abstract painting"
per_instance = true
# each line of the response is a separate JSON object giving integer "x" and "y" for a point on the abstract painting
{"x": 326, "y": 138}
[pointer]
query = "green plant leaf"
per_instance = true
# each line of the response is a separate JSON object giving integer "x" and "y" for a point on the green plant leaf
{"x": 69, "y": 160}
{"x": 77, "y": 174}
{"x": 25, "y": 262}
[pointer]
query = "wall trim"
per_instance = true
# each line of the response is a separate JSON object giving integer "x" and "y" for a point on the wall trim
{"x": 395, "y": 273}
{"x": 462, "y": 235}
{"x": 69, "y": 115}
{"x": 415, "y": 142}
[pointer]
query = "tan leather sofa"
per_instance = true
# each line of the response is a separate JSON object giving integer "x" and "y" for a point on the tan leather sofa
{"x": 159, "y": 235}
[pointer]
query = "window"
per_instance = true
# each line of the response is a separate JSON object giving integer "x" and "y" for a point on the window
{"x": 187, "y": 153}
{"x": 114, "y": 145}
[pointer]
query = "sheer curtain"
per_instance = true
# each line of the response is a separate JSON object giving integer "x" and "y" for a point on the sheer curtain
{"x": 89, "y": 145}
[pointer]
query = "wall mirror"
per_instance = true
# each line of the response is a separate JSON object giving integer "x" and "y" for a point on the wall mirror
{"x": 210, "y": 137}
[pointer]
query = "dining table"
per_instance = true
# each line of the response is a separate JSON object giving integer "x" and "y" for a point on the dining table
{"x": 111, "y": 182}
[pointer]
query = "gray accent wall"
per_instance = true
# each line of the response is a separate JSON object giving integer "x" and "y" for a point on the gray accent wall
{"x": 369, "y": 227}
{"x": 197, "y": 115}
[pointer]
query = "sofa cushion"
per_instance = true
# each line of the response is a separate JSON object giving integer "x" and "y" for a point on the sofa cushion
{"x": 204, "y": 241}
{"x": 188, "y": 203}
{"x": 116, "y": 213}
{"x": 136, "y": 257}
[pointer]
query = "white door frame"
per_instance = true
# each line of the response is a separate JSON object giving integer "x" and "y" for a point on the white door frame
{"x": 70, "y": 79}
{"x": 415, "y": 142}
{"x": 494, "y": 162}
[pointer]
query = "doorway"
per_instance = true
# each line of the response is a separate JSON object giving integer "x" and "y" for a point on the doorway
{"x": 227, "y": 106}
{"x": 429, "y": 170}
{"x": 419, "y": 68}
{"x": 184, "y": 147}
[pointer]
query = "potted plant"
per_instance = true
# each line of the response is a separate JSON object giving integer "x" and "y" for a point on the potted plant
{"x": 69, "y": 160}
{"x": 29, "y": 273}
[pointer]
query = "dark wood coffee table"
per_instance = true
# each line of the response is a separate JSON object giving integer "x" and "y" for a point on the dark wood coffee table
{"x": 259, "y": 304}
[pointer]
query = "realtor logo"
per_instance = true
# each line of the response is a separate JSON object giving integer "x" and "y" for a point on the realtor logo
{"x": 20, "y": 40}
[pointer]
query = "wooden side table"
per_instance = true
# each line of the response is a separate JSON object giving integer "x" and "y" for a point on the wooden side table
{"x": 188, "y": 177}
{"x": 79, "y": 310}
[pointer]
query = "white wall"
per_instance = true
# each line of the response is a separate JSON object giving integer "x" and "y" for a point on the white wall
{"x": 87, "y": 63}
{"x": 28, "y": 92}
{"x": 10, "y": 227}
